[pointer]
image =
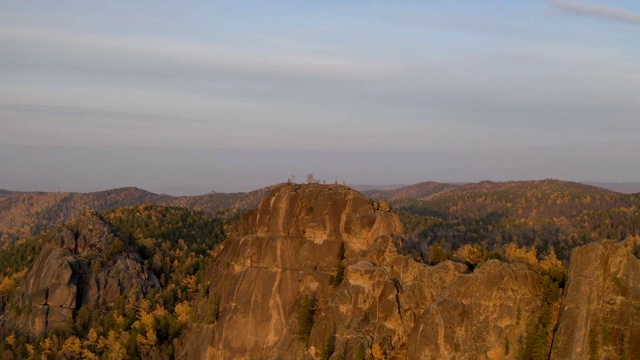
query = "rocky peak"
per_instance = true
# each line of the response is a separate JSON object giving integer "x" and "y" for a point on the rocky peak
{"x": 90, "y": 234}
{"x": 85, "y": 263}
{"x": 314, "y": 273}
{"x": 326, "y": 243}
{"x": 322, "y": 212}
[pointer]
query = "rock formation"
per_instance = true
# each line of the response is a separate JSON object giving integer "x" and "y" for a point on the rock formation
{"x": 87, "y": 263}
{"x": 600, "y": 316}
{"x": 335, "y": 249}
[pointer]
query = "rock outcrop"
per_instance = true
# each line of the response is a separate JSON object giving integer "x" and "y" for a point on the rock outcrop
{"x": 287, "y": 249}
{"x": 600, "y": 317}
{"x": 87, "y": 263}
{"x": 482, "y": 315}
{"x": 333, "y": 248}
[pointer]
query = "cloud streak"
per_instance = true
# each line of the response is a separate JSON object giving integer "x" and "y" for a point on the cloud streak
{"x": 596, "y": 11}
{"x": 202, "y": 57}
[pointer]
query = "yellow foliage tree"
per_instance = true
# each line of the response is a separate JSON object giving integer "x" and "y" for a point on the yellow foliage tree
{"x": 115, "y": 349}
{"x": 377, "y": 353}
{"x": 515, "y": 253}
{"x": 11, "y": 340}
{"x": 48, "y": 348}
{"x": 551, "y": 261}
{"x": 72, "y": 348}
{"x": 183, "y": 311}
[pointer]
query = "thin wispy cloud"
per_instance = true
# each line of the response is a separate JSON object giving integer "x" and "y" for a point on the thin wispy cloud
{"x": 201, "y": 57}
{"x": 597, "y": 11}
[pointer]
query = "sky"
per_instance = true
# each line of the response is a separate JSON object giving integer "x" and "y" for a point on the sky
{"x": 190, "y": 97}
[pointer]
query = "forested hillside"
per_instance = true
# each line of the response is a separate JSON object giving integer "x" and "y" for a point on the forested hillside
{"x": 522, "y": 199}
{"x": 539, "y": 215}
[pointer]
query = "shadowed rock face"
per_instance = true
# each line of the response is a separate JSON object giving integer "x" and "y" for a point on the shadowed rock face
{"x": 290, "y": 249}
{"x": 88, "y": 264}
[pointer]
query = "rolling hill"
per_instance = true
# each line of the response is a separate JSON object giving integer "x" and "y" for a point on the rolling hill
{"x": 521, "y": 199}
{"x": 27, "y": 214}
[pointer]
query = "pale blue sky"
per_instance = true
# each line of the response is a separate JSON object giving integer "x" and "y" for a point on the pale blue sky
{"x": 446, "y": 90}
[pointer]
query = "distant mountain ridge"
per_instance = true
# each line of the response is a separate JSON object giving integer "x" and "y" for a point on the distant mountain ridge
{"x": 363, "y": 187}
{"x": 414, "y": 192}
{"x": 4, "y": 192}
{"x": 27, "y": 214}
{"x": 521, "y": 199}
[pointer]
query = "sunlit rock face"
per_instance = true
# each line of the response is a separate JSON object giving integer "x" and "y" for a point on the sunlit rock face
{"x": 333, "y": 246}
{"x": 600, "y": 316}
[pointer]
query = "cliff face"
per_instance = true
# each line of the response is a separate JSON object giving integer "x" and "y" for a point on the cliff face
{"x": 483, "y": 315}
{"x": 285, "y": 250}
{"x": 333, "y": 248}
{"x": 600, "y": 315}
{"x": 85, "y": 264}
